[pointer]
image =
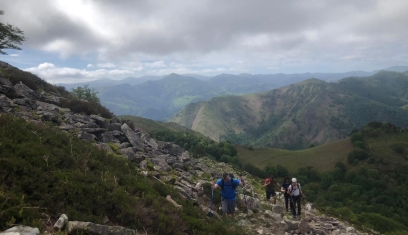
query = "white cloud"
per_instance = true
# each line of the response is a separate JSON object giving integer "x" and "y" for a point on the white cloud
{"x": 293, "y": 35}
{"x": 14, "y": 55}
{"x": 156, "y": 64}
{"x": 106, "y": 65}
{"x": 89, "y": 66}
{"x": 54, "y": 74}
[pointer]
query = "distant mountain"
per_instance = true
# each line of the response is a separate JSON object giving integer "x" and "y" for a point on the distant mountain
{"x": 133, "y": 96}
{"x": 105, "y": 82}
{"x": 158, "y": 99}
{"x": 308, "y": 112}
{"x": 397, "y": 68}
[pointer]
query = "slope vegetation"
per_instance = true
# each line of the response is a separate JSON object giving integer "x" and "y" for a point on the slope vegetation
{"x": 296, "y": 116}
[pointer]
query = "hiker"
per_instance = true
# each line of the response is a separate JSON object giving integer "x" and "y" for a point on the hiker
{"x": 284, "y": 189}
{"x": 269, "y": 185}
{"x": 295, "y": 195}
{"x": 228, "y": 186}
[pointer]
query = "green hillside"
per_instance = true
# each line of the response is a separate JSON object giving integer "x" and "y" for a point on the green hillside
{"x": 305, "y": 113}
{"x": 372, "y": 190}
{"x": 322, "y": 157}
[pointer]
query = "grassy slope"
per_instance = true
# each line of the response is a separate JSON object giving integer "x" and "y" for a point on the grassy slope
{"x": 322, "y": 157}
{"x": 308, "y": 112}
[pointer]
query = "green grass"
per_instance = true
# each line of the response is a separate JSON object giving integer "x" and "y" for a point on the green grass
{"x": 322, "y": 157}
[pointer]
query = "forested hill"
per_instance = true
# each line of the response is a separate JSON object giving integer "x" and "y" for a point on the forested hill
{"x": 305, "y": 113}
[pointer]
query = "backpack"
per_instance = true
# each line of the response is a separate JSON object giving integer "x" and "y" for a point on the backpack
{"x": 232, "y": 182}
{"x": 291, "y": 188}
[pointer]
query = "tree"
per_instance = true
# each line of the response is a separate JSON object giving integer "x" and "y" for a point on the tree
{"x": 10, "y": 36}
{"x": 86, "y": 93}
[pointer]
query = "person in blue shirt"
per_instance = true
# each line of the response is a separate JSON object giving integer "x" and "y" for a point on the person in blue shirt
{"x": 284, "y": 190}
{"x": 228, "y": 187}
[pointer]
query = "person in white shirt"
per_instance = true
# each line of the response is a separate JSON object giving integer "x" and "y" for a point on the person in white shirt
{"x": 296, "y": 194}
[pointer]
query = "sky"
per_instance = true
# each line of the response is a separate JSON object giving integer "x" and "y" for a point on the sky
{"x": 83, "y": 40}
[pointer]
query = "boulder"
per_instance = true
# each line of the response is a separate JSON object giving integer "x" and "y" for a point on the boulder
{"x": 86, "y": 136}
{"x": 42, "y": 106}
{"x": 5, "y": 81}
{"x": 149, "y": 140}
{"x": 254, "y": 203}
{"x": 160, "y": 163}
{"x": 304, "y": 227}
{"x": 277, "y": 209}
{"x": 25, "y": 91}
{"x": 21, "y": 230}
{"x": 128, "y": 152}
{"x": 114, "y": 127}
{"x": 185, "y": 156}
{"x": 6, "y": 104}
{"x": 114, "y": 120}
{"x": 49, "y": 117}
{"x": 60, "y": 224}
{"x": 170, "y": 148}
{"x": 76, "y": 227}
{"x": 132, "y": 137}
{"x": 137, "y": 158}
{"x": 290, "y": 224}
{"x": 100, "y": 121}
{"x": 109, "y": 137}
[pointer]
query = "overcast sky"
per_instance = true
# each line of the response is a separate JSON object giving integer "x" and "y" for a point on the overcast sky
{"x": 82, "y": 40}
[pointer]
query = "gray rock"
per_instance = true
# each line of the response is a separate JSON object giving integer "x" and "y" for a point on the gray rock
{"x": 94, "y": 130}
{"x": 109, "y": 137}
{"x": 291, "y": 225}
{"x": 66, "y": 127}
{"x": 277, "y": 209}
{"x": 177, "y": 166}
{"x": 160, "y": 163}
{"x": 5, "y": 81}
{"x": 100, "y": 121}
{"x": 185, "y": 156}
{"x": 49, "y": 117}
{"x": 254, "y": 203}
{"x": 42, "y": 106}
{"x": 125, "y": 145}
{"x": 114, "y": 127}
{"x": 132, "y": 137}
{"x": 304, "y": 227}
{"x": 149, "y": 140}
{"x": 9, "y": 90}
{"x": 143, "y": 165}
{"x": 21, "y": 230}
{"x": 25, "y": 91}
{"x": 170, "y": 148}
{"x": 76, "y": 227}
{"x": 243, "y": 223}
{"x": 128, "y": 152}
{"x": 115, "y": 120}
{"x": 80, "y": 118}
{"x": 137, "y": 158}
{"x": 6, "y": 104}
{"x": 86, "y": 136}
{"x": 60, "y": 224}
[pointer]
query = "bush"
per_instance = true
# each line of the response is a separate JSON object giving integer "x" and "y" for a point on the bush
{"x": 86, "y": 107}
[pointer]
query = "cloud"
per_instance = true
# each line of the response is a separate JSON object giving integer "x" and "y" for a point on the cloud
{"x": 294, "y": 34}
{"x": 54, "y": 74}
{"x": 89, "y": 66}
{"x": 106, "y": 65}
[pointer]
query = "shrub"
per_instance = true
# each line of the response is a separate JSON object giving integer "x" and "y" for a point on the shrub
{"x": 86, "y": 107}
